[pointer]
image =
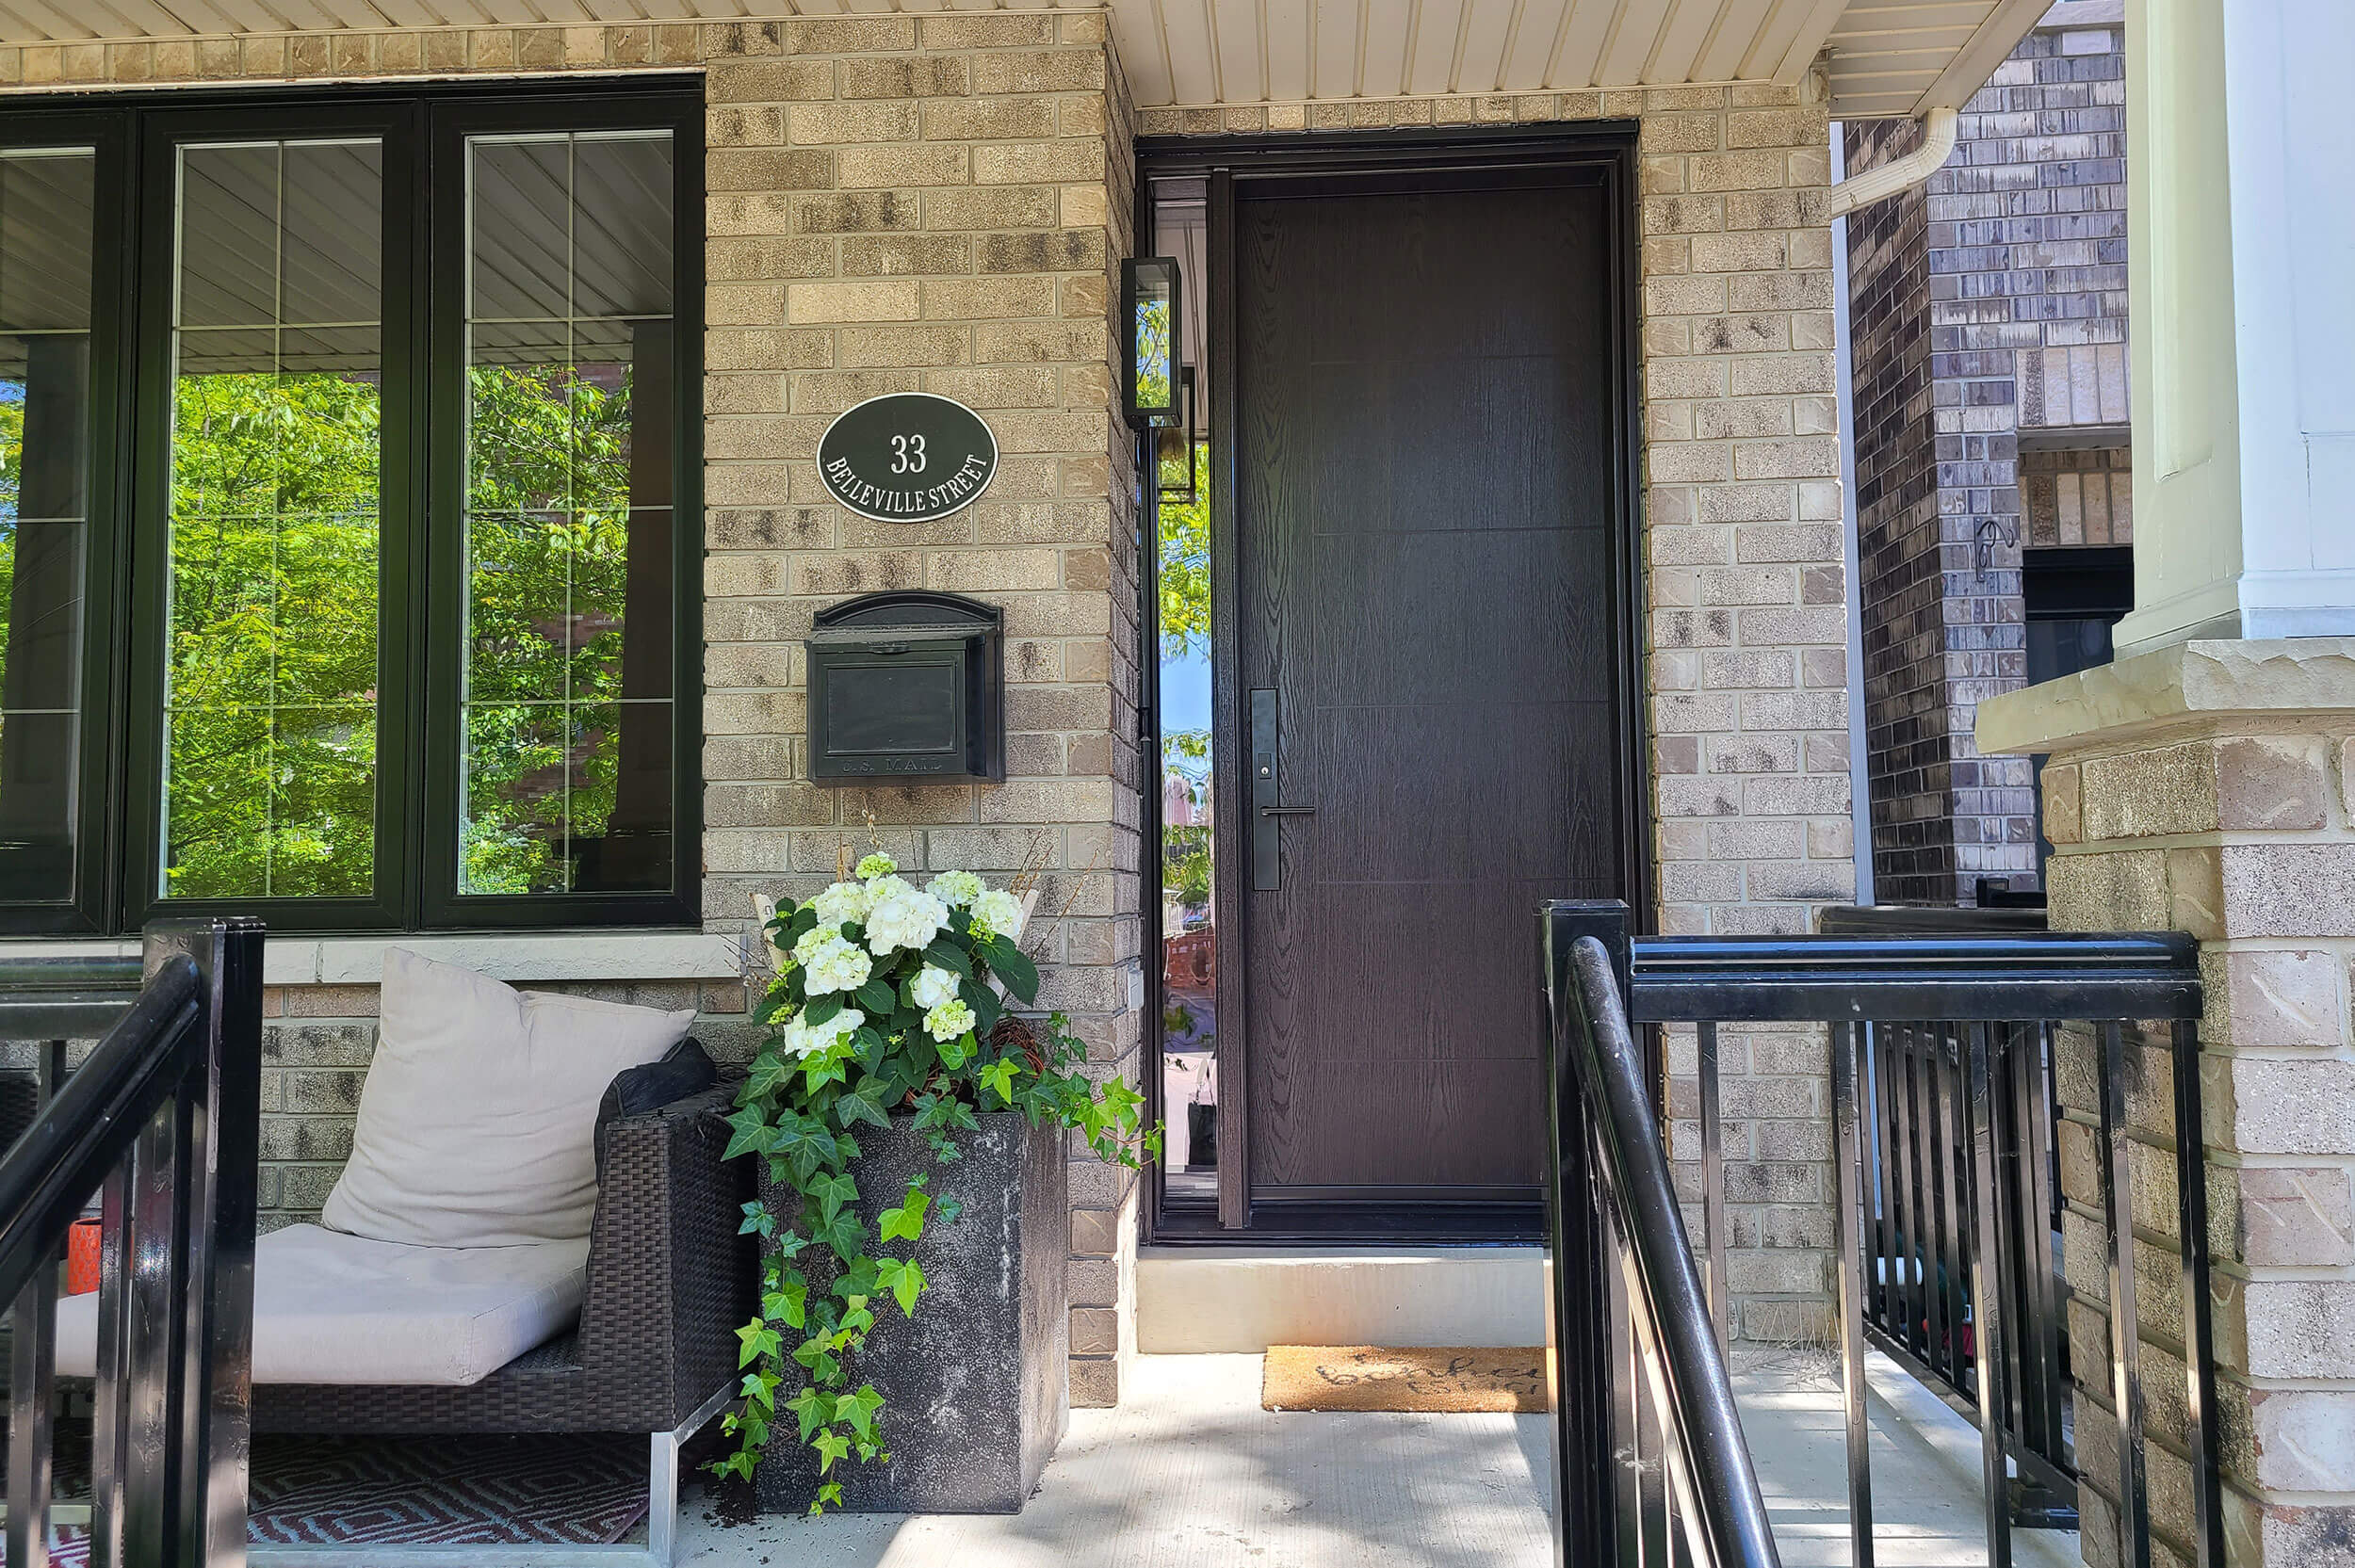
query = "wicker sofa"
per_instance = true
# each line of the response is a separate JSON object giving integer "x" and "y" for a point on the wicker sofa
{"x": 669, "y": 1282}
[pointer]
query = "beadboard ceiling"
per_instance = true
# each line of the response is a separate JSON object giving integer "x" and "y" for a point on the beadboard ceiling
{"x": 1887, "y": 57}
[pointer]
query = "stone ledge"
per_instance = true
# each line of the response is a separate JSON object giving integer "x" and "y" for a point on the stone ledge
{"x": 2201, "y": 687}
{"x": 603, "y": 955}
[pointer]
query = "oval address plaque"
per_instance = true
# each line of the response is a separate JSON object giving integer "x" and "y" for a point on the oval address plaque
{"x": 907, "y": 457}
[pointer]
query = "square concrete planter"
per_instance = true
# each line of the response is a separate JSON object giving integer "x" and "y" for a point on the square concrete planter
{"x": 975, "y": 1388}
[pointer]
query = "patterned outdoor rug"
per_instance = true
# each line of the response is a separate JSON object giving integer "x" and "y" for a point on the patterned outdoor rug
{"x": 437, "y": 1491}
{"x": 1448, "y": 1379}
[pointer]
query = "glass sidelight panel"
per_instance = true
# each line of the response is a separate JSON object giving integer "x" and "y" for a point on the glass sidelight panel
{"x": 566, "y": 735}
{"x": 46, "y": 257}
{"x": 276, "y": 459}
{"x": 1190, "y": 937}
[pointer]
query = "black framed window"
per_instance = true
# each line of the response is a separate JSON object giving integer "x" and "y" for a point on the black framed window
{"x": 349, "y": 510}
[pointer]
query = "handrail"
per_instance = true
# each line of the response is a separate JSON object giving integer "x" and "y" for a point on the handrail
{"x": 1727, "y": 1509}
{"x": 89, "y": 1127}
{"x": 163, "y": 1123}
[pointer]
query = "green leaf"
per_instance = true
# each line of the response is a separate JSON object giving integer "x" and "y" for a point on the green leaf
{"x": 757, "y": 1339}
{"x": 831, "y": 1446}
{"x": 1012, "y": 965}
{"x": 998, "y": 1078}
{"x": 789, "y": 1302}
{"x": 905, "y": 1223}
{"x": 949, "y": 956}
{"x": 904, "y": 1279}
{"x": 859, "y": 1411}
{"x": 877, "y": 997}
{"x": 752, "y": 1134}
{"x": 863, "y": 1105}
{"x": 823, "y": 1008}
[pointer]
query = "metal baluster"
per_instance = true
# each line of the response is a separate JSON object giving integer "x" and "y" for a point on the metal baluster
{"x": 32, "y": 1387}
{"x": 2191, "y": 1186}
{"x": 1713, "y": 1179}
{"x": 1877, "y": 1055}
{"x": 1627, "y": 1446}
{"x": 1904, "y": 1168}
{"x": 1848, "y": 1156}
{"x": 150, "y": 1392}
{"x": 2134, "y": 1503}
{"x": 1937, "y": 1154}
{"x": 1956, "y": 1175}
{"x": 1883, "y": 1129}
{"x": 1986, "y": 1303}
{"x": 109, "y": 1436}
{"x": 2040, "y": 1336}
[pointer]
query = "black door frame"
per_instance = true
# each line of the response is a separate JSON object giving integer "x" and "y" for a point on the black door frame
{"x": 1608, "y": 147}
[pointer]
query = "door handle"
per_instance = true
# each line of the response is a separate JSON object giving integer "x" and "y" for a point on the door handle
{"x": 1267, "y": 792}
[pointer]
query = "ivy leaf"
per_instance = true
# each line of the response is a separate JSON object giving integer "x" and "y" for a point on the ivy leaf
{"x": 789, "y": 1303}
{"x": 859, "y": 1411}
{"x": 752, "y": 1134}
{"x": 955, "y": 1053}
{"x": 810, "y": 1407}
{"x": 905, "y": 1223}
{"x": 863, "y": 1105}
{"x": 757, "y": 1339}
{"x": 949, "y": 1208}
{"x": 997, "y": 1077}
{"x": 758, "y": 1221}
{"x": 830, "y": 1494}
{"x": 761, "y": 1387}
{"x": 904, "y": 1279}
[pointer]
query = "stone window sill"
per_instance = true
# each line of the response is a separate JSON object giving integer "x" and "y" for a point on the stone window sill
{"x": 601, "y": 955}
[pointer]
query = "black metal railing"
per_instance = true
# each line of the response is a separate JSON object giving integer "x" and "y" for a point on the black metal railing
{"x": 1921, "y": 1194}
{"x": 1652, "y": 1465}
{"x": 162, "y": 1121}
{"x": 1940, "y": 1044}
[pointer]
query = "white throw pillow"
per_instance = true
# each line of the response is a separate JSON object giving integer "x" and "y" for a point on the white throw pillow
{"x": 479, "y": 1117}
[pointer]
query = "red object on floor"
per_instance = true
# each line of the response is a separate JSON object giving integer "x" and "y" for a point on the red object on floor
{"x": 81, "y": 1258}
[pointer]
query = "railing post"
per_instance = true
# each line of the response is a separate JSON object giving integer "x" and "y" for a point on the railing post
{"x": 33, "y": 1382}
{"x": 1988, "y": 1304}
{"x": 1849, "y": 1200}
{"x": 217, "y": 1136}
{"x": 1585, "y": 1280}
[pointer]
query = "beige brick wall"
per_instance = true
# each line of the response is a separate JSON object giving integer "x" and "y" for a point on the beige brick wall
{"x": 1746, "y": 665}
{"x": 2211, "y": 788}
{"x": 895, "y": 203}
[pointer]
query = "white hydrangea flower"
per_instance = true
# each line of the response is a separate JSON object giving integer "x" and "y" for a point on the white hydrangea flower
{"x": 999, "y": 913}
{"x": 798, "y": 1038}
{"x": 904, "y": 918}
{"x": 949, "y": 1019}
{"x": 842, "y": 901}
{"x": 956, "y": 888}
{"x": 876, "y": 866}
{"x": 829, "y": 964}
{"x": 932, "y": 986}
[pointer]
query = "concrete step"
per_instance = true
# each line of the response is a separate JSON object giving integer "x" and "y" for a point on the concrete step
{"x": 1194, "y": 1300}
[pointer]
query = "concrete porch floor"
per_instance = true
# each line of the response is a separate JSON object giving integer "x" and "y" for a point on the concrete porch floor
{"x": 1191, "y": 1473}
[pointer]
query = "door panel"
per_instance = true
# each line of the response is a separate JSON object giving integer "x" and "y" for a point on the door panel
{"x": 1423, "y": 511}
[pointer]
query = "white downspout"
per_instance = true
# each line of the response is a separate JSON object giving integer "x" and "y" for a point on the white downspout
{"x": 1844, "y": 361}
{"x": 1873, "y": 185}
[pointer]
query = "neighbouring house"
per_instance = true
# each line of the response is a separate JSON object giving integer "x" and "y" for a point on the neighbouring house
{"x": 1994, "y": 496}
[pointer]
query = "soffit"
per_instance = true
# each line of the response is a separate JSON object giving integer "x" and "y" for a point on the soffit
{"x": 1887, "y": 57}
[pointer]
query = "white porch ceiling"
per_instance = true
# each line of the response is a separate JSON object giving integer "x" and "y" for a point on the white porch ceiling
{"x": 1887, "y": 57}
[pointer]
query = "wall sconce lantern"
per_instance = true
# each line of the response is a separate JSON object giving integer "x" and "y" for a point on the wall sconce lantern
{"x": 1149, "y": 302}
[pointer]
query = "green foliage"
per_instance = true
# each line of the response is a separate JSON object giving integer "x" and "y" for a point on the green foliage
{"x": 273, "y": 644}
{"x": 865, "y": 1051}
{"x": 1185, "y": 567}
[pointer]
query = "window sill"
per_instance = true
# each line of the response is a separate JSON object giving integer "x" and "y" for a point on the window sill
{"x": 601, "y": 955}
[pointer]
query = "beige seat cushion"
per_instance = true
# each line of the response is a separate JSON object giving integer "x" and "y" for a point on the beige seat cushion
{"x": 477, "y": 1118}
{"x": 344, "y": 1309}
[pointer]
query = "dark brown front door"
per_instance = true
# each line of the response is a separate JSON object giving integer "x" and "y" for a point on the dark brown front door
{"x": 1427, "y": 647}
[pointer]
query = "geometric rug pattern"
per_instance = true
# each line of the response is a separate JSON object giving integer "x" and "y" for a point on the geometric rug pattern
{"x": 436, "y": 1491}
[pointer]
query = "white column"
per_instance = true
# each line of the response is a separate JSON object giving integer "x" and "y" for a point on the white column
{"x": 2241, "y": 242}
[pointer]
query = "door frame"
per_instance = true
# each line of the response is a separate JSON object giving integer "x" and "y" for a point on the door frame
{"x": 1608, "y": 147}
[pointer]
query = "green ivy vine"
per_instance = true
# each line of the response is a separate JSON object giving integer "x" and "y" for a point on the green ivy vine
{"x": 883, "y": 1009}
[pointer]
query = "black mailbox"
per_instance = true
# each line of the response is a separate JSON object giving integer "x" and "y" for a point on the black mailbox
{"x": 907, "y": 686}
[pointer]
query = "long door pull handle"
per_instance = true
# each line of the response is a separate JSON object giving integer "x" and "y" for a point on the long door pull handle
{"x": 1288, "y": 811}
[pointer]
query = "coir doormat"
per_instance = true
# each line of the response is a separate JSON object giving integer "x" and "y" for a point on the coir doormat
{"x": 1446, "y": 1379}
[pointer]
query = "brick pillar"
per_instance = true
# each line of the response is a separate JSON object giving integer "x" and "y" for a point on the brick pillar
{"x": 934, "y": 204}
{"x": 2210, "y": 787}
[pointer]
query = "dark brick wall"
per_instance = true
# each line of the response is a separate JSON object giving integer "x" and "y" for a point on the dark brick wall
{"x": 1990, "y": 300}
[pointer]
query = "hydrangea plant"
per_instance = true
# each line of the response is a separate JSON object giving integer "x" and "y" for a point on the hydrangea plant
{"x": 882, "y": 1008}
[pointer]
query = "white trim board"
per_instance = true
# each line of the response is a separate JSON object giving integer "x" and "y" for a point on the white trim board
{"x": 524, "y": 956}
